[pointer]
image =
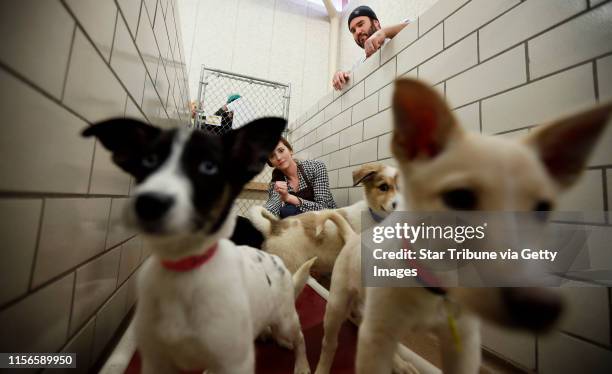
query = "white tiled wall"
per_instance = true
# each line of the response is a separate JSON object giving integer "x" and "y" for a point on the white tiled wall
{"x": 505, "y": 66}
{"x": 67, "y": 266}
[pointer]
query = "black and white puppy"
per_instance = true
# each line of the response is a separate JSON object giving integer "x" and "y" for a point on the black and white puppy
{"x": 202, "y": 300}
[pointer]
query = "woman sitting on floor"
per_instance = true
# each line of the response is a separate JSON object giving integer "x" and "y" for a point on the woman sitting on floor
{"x": 297, "y": 186}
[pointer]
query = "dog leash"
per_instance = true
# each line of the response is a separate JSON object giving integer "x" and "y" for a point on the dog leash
{"x": 191, "y": 262}
{"x": 431, "y": 283}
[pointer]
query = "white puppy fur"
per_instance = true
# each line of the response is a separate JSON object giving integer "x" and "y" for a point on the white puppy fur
{"x": 201, "y": 299}
{"x": 443, "y": 168}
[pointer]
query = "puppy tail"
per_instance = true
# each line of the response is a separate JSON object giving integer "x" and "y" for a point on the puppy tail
{"x": 344, "y": 229}
{"x": 301, "y": 276}
{"x": 262, "y": 219}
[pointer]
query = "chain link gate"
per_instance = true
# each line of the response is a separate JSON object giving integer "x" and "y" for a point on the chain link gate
{"x": 229, "y": 101}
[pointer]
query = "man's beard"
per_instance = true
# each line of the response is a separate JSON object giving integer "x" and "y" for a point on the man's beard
{"x": 370, "y": 33}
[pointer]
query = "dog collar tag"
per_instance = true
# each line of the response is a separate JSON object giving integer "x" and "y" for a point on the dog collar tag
{"x": 452, "y": 324}
{"x": 191, "y": 262}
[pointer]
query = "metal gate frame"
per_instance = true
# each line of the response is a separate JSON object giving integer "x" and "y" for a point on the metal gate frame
{"x": 207, "y": 72}
{"x": 255, "y": 192}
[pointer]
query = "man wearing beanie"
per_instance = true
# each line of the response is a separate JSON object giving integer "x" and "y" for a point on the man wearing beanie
{"x": 368, "y": 34}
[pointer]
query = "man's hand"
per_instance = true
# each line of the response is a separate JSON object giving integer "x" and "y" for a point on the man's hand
{"x": 340, "y": 79}
{"x": 374, "y": 42}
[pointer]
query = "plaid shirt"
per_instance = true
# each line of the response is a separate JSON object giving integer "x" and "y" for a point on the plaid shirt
{"x": 317, "y": 175}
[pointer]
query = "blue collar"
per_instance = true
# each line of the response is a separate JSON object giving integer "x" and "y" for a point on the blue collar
{"x": 376, "y": 217}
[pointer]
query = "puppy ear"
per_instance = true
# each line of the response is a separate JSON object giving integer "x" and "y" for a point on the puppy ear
{"x": 125, "y": 138}
{"x": 249, "y": 146}
{"x": 423, "y": 122}
{"x": 565, "y": 145}
{"x": 117, "y": 134}
{"x": 364, "y": 173}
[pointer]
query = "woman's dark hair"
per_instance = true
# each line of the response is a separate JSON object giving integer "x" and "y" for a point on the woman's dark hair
{"x": 286, "y": 144}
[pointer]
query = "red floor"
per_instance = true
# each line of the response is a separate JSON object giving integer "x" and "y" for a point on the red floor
{"x": 272, "y": 359}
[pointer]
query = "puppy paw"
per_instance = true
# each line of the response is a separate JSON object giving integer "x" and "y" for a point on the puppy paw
{"x": 301, "y": 370}
{"x": 400, "y": 366}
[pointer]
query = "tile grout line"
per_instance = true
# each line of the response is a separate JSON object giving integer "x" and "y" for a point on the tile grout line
{"x": 480, "y": 115}
{"x": 596, "y": 81}
{"x": 37, "y": 245}
{"x": 91, "y": 168}
{"x": 68, "y": 63}
{"x": 606, "y": 206}
{"x": 119, "y": 266}
{"x": 583, "y": 339}
{"x": 527, "y": 72}
{"x": 54, "y": 195}
{"x": 112, "y": 48}
{"x": 478, "y": 62}
{"x": 70, "y": 314}
{"x": 610, "y": 309}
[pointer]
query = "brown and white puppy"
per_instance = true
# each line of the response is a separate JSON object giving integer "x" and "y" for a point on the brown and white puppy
{"x": 380, "y": 195}
{"x": 443, "y": 168}
{"x": 299, "y": 238}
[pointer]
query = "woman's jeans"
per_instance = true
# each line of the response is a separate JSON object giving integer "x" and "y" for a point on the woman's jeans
{"x": 289, "y": 210}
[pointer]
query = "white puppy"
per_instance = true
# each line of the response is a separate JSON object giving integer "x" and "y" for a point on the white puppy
{"x": 443, "y": 168}
{"x": 202, "y": 300}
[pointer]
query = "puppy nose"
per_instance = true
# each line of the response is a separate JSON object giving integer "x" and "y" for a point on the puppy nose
{"x": 394, "y": 205}
{"x": 152, "y": 206}
{"x": 535, "y": 309}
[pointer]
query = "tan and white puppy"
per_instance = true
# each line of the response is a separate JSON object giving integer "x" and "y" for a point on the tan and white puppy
{"x": 201, "y": 299}
{"x": 380, "y": 195}
{"x": 443, "y": 168}
{"x": 299, "y": 238}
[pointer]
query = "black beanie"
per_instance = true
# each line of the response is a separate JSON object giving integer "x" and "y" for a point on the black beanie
{"x": 361, "y": 11}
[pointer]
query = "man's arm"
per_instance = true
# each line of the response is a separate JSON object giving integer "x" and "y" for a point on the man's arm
{"x": 377, "y": 39}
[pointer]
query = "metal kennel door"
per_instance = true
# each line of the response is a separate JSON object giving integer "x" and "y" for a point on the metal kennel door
{"x": 248, "y": 98}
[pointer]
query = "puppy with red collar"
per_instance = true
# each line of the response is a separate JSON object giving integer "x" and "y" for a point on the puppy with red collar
{"x": 201, "y": 299}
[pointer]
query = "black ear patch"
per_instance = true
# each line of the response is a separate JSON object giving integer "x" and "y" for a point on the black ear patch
{"x": 248, "y": 147}
{"x": 120, "y": 134}
{"x": 130, "y": 141}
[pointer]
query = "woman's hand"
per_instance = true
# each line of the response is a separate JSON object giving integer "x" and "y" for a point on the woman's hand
{"x": 285, "y": 196}
{"x": 282, "y": 189}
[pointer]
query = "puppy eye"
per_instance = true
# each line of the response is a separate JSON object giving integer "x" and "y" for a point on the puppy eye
{"x": 460, "y": 199}
{"x": 208, "y": 168}
{"x": 150, "y": 161}
{"x": 542, "y": 209}
{"x": 384, "y": 187}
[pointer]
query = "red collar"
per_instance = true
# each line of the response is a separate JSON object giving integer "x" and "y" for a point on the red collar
{"x": 191, "y": 262}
